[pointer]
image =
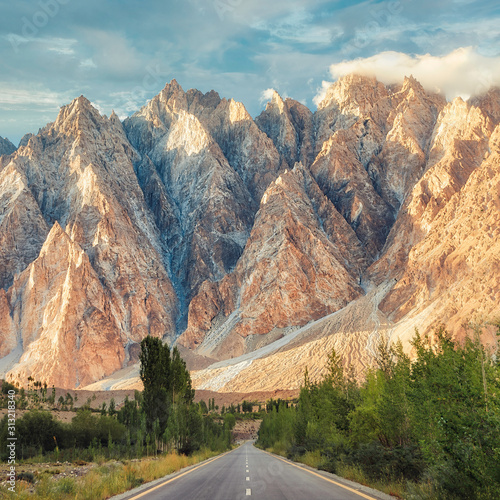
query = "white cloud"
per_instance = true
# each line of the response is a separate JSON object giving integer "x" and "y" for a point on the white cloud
{"x": 321, "y": 92}
{"x": 266, "y": 95}
{"x": 88, "y": 64}
{"x": 97, "y": 106}
{"x": 63, "y": 46}
{"x": 298, "y": 27}
{"x": 463, "y": 72}
{"x": 16, "y": 96}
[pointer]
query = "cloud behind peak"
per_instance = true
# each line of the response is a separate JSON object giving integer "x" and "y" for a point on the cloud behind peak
{"x": 463, "y": 72}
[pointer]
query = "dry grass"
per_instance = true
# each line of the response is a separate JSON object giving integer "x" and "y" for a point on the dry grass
{"x": 279, "y": 448}
{"x": 106, "y": 480}
{"x": 311, "y": 458}
{"x": 353, "y": 473}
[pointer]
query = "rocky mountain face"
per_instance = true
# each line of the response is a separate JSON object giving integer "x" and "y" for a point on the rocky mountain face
{"x": 301, "y": 262}
{"x": 97, "y": 282}
{"x": 262, "y": 242}
{"x": 6, "y": 147}
{"x": 290, "y": 126}
{"x": 203, "y": 200}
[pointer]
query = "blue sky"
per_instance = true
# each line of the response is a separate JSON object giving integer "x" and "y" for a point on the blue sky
{"x": 119, "y": 54}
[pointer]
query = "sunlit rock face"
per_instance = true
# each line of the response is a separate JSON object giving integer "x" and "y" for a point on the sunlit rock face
{"x": 446, "y": 239}
{"x": 277, "y": 238}
{"x": 61, "y": 313}
{"x": 77, "y": 175}
{"x": 414, "y": 177}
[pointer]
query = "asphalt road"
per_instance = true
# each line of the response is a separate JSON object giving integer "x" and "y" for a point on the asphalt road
{"x": 248, "y": 473}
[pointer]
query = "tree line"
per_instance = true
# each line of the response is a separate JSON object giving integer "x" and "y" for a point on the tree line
{"x": 161, "y": 418}
{"x": 431, "y": 423}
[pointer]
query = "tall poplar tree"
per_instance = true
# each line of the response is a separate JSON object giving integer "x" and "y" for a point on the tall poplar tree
{"x": 155, "y": 373}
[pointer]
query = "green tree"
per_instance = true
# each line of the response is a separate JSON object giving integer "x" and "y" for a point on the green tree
{"x": 112, "y": 408}
{"x": 37, "y": 430}
{"x": 182, "y": 390}
{"x": 167, "y": 404}
{"x": 69, "y": 400}
{"x": 456, "y": 428}
{"x": 52, "y": 398}
{"x": 229, "y": 421}
{"x": 7, "y": 386}
{"x": 247, "y": 406}
{"x": 155, "y": 373}
{"x": 203, "y": 407}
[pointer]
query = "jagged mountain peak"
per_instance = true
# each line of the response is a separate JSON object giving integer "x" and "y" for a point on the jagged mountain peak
{"x": 6, "y": 147}
{"x": 345, "y": 101}
{"x": 171, "y": 88}
{"x": 77, "y": 115}
{"x": 289, "y": 185}
{"x": 191, "y": 211}
{"x": 172, "y": 95}
{"x": 116, "y": 122}
{"x": 196, "y": 99}
{"x": 238, "y": 112}
{"x": 354, "y": 94}
{"x": 58, "y": 239}
{"x": 276, "y": 101}
{"x": 411, "y": 83}
{"x": 417, "y": 96}
{"x": 289, "y": 124}
{"x": 55, "y": 232}
{"x": 276, "y": 96}
{"x": 462, "y": 115}
{"x": 210, "y": 109}
{"x": 80, "y": 104}
{"x": 173, "y": 85}
{"x": 284, "y": 185}
{"x": 277, "y": 106}
{"x": 63, "y": 277}
{"x": 25, "y": 139}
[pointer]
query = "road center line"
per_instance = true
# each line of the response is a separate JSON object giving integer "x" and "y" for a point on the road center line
{"x": 249, "y": 492}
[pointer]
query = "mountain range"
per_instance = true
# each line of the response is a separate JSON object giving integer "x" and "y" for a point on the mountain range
{"x": 255, "y": 245}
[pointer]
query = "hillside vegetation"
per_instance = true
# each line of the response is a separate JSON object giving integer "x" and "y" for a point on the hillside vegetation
{"x": 427, "y": 428}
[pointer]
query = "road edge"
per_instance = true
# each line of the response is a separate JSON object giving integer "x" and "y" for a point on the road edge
{"x": 331, "y": 476}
